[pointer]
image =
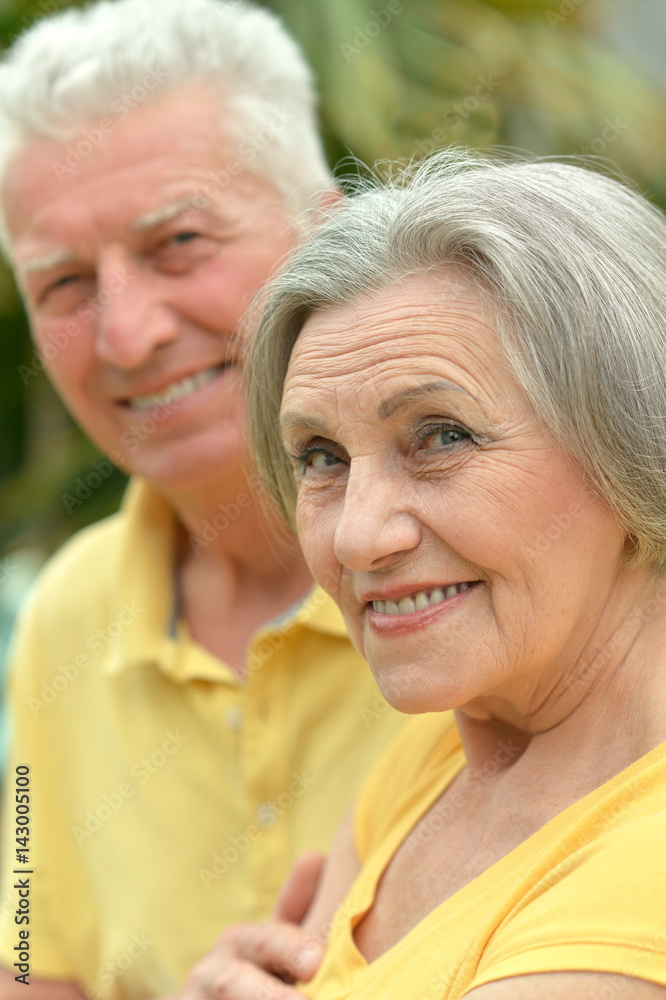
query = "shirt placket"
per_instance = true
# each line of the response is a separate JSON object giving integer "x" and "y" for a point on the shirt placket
{"x": 264, "y": 756}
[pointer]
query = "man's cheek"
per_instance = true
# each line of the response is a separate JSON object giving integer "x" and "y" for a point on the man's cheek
{"x": 59, "y": 344}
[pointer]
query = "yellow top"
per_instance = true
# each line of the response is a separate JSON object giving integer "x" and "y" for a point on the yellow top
{"x": 168, "y": 799}
{"x": 586, "y": 892}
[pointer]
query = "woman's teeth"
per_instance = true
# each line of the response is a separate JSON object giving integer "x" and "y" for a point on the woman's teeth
{"x": 176, "y": 391}
{"x": 419, "y": 601}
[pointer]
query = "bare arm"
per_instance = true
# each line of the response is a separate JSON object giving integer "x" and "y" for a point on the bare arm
{"x": 569, "y": 986}
{"x": 339, "y": 872}
{"x": 40, "y": 989}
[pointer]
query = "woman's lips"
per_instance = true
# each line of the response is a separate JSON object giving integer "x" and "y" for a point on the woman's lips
{"x": 420, "y": 600}
{"x": 413, "y": 611}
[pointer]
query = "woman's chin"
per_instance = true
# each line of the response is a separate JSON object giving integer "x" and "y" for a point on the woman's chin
{"x": 412, "y": 697}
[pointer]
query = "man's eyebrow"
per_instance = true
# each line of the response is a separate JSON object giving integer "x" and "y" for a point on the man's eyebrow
{"x": 168, "y": 212}
{"x": 388, "y": 406}
{"x": 47, "y": 261}
{"x": 163, "y": 214}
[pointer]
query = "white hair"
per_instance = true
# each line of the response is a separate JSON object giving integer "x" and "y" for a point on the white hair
{"x": 74, "y": 67}
{"x": 575, "y": 263}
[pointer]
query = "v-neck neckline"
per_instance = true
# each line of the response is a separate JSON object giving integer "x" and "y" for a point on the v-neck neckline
{"x": 489, "y": 878}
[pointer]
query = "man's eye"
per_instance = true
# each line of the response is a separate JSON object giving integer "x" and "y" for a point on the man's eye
{"x": 185, "y": 237}
{"x": 62, "y": 282}
{"x": 444, "y": 437}
{"x": 63, "y": 292}
{"x": 184, "y": 250}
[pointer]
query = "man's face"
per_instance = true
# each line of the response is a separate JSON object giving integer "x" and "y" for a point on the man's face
{"x": 137, "y": 264}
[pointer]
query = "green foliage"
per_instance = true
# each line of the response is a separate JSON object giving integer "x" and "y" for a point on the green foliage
{"x": 396, "y": 78}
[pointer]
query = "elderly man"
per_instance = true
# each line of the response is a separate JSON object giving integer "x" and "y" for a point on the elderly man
{"x": 189, "y": 715}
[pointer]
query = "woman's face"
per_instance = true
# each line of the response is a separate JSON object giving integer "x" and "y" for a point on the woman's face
{"x": 469, "y": 558}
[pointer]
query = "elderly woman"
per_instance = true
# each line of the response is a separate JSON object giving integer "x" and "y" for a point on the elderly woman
{"x": 458, "y": 396}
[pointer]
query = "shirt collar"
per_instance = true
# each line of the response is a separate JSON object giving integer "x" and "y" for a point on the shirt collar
{"x": 147, "y": 560}
{"x": 319, "y": 612}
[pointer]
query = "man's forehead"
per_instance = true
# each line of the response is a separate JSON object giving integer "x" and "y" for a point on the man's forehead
{"x": 176, "y": 141}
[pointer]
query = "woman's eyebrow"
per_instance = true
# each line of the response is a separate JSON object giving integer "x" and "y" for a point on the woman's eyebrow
{"x": 293, "y": 420}
{"x": 388, "y": 406}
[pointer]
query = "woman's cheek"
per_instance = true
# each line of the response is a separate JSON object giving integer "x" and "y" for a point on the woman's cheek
{"x": 316, "y": 520}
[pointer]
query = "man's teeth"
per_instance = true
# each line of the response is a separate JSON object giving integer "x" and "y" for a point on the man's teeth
{"x": 175, "y": 391}
{"x": 419, "y": 601}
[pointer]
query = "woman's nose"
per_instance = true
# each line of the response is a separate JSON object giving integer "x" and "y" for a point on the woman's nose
{"x": 376, "y": 524}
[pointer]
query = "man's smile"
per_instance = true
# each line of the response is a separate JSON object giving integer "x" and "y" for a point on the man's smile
{"x": 176, "y": 389}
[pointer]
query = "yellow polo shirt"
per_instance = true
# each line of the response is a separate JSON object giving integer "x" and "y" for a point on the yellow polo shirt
{"x": 168, "y": 800}
{"x": 586, "y": 892}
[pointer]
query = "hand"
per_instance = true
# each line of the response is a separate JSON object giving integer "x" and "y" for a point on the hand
{"x": 259, "y": 961}
{"x": 299, "y": 890}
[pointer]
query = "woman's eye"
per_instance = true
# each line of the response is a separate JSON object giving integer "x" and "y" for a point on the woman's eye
{"x": 444, "y": 437}
{"x": 315, "y": 458}
{"x": 322, "y": 459}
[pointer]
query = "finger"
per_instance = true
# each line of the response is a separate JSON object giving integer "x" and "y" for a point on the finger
{"x": 283, "y": 949}
{"x": 299, "y": 889}
{"x": 239, "y": 980}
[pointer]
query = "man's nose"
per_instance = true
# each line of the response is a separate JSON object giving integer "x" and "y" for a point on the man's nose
{"x": 132, "y": 318}
{"x": 376, "y": 525}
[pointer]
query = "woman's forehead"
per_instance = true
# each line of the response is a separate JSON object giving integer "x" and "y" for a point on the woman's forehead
{"x": 422, "y": 318}
{"x": 420, "y": 341}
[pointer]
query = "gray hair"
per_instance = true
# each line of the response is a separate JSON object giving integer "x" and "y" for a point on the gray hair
{"x": 575, "y": 263}
{"x": 70, "y": 69}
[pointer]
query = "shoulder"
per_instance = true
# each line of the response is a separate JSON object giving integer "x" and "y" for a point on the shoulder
{"x": 592, "y": 897}
{"x": 74, "y": 575}
{"x": 89, "y": 564}
{"x": 69, "y": 602}
{"x": 71, "y": 598}
{"x": 569, "y": 986}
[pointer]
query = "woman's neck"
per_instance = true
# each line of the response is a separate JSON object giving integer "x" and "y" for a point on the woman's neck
{"x": 606, "y": 707}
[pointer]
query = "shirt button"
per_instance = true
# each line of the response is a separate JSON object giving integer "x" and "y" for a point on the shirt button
{"x": 266, "y": 814}
{"x": 233, "y": 718}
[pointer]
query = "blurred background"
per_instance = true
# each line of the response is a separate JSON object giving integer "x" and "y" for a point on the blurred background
{"x": 396, "y": 80}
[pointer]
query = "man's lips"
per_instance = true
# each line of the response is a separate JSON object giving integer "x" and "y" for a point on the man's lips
{"x": 171, "y": 389}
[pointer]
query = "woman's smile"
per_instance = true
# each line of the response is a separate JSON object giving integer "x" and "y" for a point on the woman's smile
{"x": 417, "y": 609}
{"x": 418, "y": 600}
